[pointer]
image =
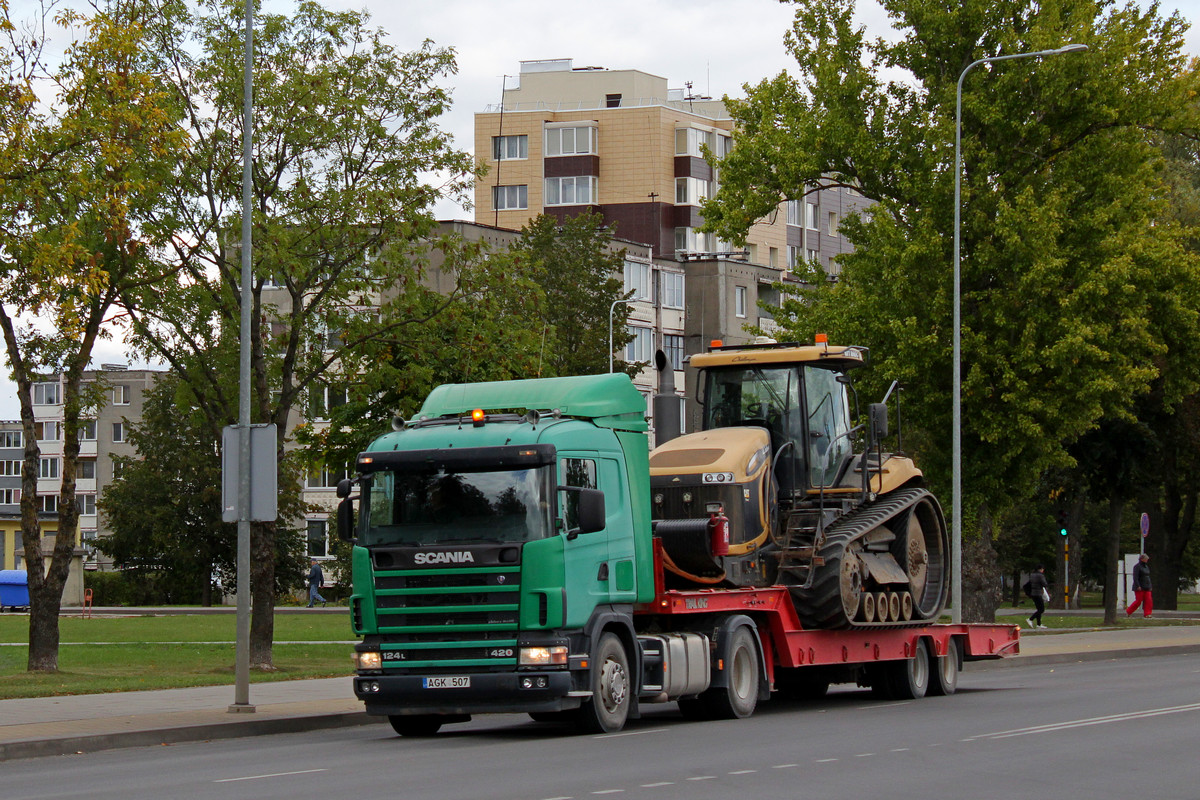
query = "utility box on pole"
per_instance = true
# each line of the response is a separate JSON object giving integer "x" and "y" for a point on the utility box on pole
{"x": 264, "y": 474}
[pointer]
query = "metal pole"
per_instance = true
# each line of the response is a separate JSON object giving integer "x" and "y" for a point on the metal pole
{"x": 241, "y": 693}
{"x": 956, "y": 444}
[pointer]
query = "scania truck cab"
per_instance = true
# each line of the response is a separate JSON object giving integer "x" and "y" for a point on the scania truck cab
{"x": 495, "y": 561}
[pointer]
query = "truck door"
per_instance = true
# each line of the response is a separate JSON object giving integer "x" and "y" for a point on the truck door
{"x": 585, "y": 558}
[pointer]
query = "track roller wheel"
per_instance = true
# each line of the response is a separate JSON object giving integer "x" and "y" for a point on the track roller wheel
{"x": 906, "y": 606}
{"x": 868, "y": 608}
{"x": 882, "y": 609}
{"x": 850, "y": 584}
{"x": 894, "y": 606}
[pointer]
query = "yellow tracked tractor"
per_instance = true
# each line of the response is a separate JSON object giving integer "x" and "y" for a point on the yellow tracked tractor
{"x": 855, "y": 536}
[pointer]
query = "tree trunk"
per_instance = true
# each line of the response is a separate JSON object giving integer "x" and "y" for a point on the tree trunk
{"x": 1112, "y": 554}
{"x": 262, "y": 594}
{"x": 981, "y": 571}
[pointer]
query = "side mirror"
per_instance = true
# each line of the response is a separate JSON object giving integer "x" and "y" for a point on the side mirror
{"x": 343, "y": 488}
{"x": 345, "y": 516}
{"x": 590, "y": 510}
{"x": 878, "y": 414}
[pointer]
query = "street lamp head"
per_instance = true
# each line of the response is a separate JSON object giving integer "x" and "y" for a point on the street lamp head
{"x": 1071, "y": 48}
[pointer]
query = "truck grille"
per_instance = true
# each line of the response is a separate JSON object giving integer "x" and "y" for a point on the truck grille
{"x": 444, "y": 620}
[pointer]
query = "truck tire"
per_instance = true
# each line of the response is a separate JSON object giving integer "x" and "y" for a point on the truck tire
{"x": 909, "y": 679}
{"x": 944, "y": 680}
{"x": 415, "y": 725}
{"x": 739, "y": 697}
{"x": 608, "y": 707}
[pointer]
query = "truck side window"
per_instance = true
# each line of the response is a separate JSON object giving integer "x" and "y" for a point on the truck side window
{"x": 579, "y": 472}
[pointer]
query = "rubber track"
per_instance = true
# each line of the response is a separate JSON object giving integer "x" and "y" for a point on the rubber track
{"x": 820, "y": 606}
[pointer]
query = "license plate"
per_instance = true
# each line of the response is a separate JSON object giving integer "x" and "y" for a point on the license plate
{"x": 457, "y": 682}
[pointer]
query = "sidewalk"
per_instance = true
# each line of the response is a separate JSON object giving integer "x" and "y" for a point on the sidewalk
{"x": 86, "y": 723}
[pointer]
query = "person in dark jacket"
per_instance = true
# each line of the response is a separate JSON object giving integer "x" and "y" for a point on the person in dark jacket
{"x": 1141, "y": 588}
{"x": 316, "y": 579}
{"x": 1039, "y": 592}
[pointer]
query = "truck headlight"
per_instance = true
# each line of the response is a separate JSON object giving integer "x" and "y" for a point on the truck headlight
{"x": 368, "y": 660}
{"x": 543, "y": 656}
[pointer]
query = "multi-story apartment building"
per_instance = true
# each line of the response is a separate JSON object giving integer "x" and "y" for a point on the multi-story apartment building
{"x": 622, "y": 144}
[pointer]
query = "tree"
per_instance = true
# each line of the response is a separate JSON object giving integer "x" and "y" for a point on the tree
{"x": 74, "y": 234}
{"x": 345, "y": 132}
{"x": 1065, "y": 251}
{"x": 580, "y": 272}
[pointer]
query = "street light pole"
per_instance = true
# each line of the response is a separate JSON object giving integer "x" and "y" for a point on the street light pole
{"x": 611, "y": 309}
{"x": 956, "y": 460}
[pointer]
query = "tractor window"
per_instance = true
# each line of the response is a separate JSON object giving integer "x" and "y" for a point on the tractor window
{"x": 766, "y": 396}
{"x": 828, "y": 424}
{"x": 579, "y": 472}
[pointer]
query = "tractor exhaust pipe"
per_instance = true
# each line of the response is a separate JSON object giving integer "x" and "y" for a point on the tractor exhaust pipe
{"x": 667, "y": 415}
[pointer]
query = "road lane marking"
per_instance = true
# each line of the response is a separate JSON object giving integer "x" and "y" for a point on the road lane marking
{"x": 628, "y": 733}
{"x": 743, "y": 772}
{"x": 826, "y": 760}
{"x": 657, "y": 785}
{"x": 609, "y": 791}
{"x": 1083, "y": 723}
{"x": 271, "y": 775}
{"x": 703, "y": 778}
{"x": 784, "y": 766}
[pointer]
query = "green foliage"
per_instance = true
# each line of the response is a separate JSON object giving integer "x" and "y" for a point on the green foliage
{"x": 1076, "y": 288}
{"x": 580, "y": 273}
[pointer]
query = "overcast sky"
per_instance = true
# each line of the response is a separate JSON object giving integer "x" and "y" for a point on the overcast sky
{"x": 717, "y": 45}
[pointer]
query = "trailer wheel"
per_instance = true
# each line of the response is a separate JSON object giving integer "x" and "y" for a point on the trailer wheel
{"x": 945, "y": 671}
{"x": 417, "y": 725}
{"x": 739, "y": 697}
{"x": 909, "y": 679}
{"x": 608, "y": 707}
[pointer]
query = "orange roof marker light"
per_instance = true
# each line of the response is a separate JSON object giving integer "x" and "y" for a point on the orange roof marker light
{"x": 821, "y": 338}
{"x": 478, "y": 418}
{"x": 715, "y": 343}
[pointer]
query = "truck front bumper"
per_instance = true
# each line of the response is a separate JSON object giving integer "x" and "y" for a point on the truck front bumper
{"x": 490, "y": 692}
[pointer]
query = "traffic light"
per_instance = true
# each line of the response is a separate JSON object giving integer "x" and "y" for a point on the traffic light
{"x": 1062, "y": 523}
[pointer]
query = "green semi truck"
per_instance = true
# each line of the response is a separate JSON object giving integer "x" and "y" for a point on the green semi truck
{"x": 517, "y": 548}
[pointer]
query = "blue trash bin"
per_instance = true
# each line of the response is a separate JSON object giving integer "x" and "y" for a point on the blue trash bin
{"x": 14, "y": 589}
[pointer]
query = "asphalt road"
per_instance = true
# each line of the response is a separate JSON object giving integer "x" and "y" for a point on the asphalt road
{"x": 1107, "y": 729}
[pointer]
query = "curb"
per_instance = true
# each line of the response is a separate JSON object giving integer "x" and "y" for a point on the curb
{"x": 1050, "y": 659}
{"x": 73, "y": 745}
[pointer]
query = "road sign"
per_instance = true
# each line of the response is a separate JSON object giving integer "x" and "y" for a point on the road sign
{"x": 1145, "y": 525}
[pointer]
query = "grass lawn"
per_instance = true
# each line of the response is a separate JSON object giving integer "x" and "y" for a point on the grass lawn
{"x": 118, "y": 654}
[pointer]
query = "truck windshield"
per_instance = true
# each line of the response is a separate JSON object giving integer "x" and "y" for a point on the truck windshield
{"x": 423, "y": 508}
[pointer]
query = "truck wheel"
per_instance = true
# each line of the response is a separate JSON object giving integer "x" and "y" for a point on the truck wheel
{"x": 945, "y": 671}
{"x": 417, "y": 725}
{"x": 739, "y": 698}
{"x": 909, "y": 679}
{"x": 608, "y": 707}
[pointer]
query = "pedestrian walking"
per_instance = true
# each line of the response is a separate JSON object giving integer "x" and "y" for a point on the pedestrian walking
{"x": 1141, "y": 588}
{"x": 316, "y": 580}
{"x": 1039, "y": 592}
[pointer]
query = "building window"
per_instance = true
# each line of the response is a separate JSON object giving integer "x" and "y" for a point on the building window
{"x": 691, "y": 141}
{"x": 673, "y": 349}
{"x": 46, "y": 394}
{"x": 812, "y": 256}
{"x": 12, "y": 439}
{"x": 323, "y": 399}
{"x": 691, "y": 191}
{"x": 831, "y": 228}
{"x": 794, "y": 258}
{"x": 810, "y": 216}
{"x": 793, "y": 213}
{"x": 739, "y": 301}
{"x": 118, "y": 431}
{"x": 672, "y": 289}
{"x": 10, "y": 468}
{"x": 318, "y": 538}
{"x": 612, "y": 101}
{"x": 118, "y": 468}
{"x": 326, "y": 477}
{"x": 121, "y": 394}
{"x": 47, "y": 431}
{"x": 571, "y": 141}
{"x": 86, "y": 503}
{"x": 768, "y": 301}
{"x": 637, "y": 280}
{"x": 510, "y": 198}
{"x": 10, "y": 497}
{"x": 508, "y": 148}
{"x": 641, "y": 349}
{"x": 690, "y": 240}
{"x": 577, "y": 191}
{"x": 48, "y": 503}
{"x": 48, "y": 468}
{"x": 86, "y": 468}
{"x": 87, "y": 430}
